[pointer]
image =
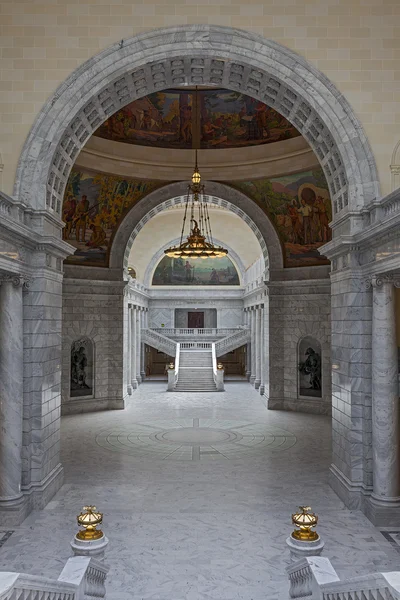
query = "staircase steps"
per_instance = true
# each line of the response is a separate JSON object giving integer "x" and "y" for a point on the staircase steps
{"x": 195, "y": 372}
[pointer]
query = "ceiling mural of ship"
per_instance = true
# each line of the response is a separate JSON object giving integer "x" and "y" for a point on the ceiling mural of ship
{"x": 206, "y": 119}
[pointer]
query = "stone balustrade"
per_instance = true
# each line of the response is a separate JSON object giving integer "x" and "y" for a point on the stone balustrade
{"x": 315, "y": 578}
{"x": 83, "y": 578}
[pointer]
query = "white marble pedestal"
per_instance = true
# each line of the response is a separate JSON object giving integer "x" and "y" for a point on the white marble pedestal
{"x": 300, "y": 549}
{"x": 92, "y": 548}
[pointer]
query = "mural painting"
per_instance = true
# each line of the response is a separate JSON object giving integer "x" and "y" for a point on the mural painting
{"x": 209, "y": 271}
{"x": 299, "y": 206}
{"x": 94, "y": 205}
{"x": 216, "y": 118}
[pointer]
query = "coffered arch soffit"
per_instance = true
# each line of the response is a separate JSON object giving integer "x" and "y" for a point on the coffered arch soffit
{"x": 197, "y": 55}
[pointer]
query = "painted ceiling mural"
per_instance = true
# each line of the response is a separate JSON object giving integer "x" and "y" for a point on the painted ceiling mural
{"x": 298, "y": 205}
{"x": 300, "y": 208}
{"x": 210, "y": 271}
{"x": 94, "y": 205}
{"x": 214, "y": 118}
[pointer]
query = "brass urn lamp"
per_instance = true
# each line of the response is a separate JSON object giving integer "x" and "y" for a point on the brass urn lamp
{"x": 171, "y": 366}
{"x": 305, "y": 521}
{"x": 89, "y": 519}
{"x": 220, "y": 366}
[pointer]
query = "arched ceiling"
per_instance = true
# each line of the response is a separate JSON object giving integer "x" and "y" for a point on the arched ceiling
{"x": 166, "y": 226}
{"x": 205, "y": 119}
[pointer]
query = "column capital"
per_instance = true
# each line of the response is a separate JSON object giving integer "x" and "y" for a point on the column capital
{"x": 16, "y": 279}
{"x": 377, "y": 281}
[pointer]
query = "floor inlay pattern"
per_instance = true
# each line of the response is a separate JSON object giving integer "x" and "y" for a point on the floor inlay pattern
{"x": 195, "y": 439}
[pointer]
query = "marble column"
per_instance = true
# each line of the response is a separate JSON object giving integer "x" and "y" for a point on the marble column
{"x": 253, "y": 345}
{"x": 257, "y": 380}
{"x": 385, "y": 396}
{"x": 11, "y": 390}
{"x": 262, "y": 353}
{"x": 133, "y": 348}
{"x": 129, "y": 353}
{"x": 142, "y": 361}
{"x": 248, "y": 345}
{"x": 138, "y": 341}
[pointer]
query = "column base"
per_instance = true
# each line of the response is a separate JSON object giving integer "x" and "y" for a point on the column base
{"x": 382, "y": 513}
{"x": 14, "y": 510}
{"x": 135, "y": 384}
{"x": 129, "y": 390}
{"x": 142, "y": 375}
{"x": 252, "y": 379}
{"x": 262, "y": 389}
{"x": 257, "y": 383}
{"x": 248, "y": 374}
{"x": 352, "y": 494}
{"x": 138, "y": 379}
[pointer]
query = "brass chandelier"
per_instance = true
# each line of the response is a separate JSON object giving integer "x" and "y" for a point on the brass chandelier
{"x": 199, "y": 242}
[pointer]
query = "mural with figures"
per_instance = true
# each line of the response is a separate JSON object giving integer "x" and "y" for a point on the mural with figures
{"x": 298, "y": 205}
{"x": 300, "y": 208}
{"x": 94, "y": 205}
{"x": 216, "y": 118}
{"x": 209, "y": 271}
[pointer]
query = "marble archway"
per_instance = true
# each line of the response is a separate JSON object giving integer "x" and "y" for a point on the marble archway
{"x": 203, "y": 55}
{"x": 219, "y": 193}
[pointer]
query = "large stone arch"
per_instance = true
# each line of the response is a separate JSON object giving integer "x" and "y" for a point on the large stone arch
{"x": 218, "y": 194}
{"x": 188, "y": 55}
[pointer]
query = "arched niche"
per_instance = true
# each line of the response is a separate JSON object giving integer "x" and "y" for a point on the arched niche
{"x": 82, "y": 368}
{"x": 309, "y": 357}
{"x": 197, "y": 55}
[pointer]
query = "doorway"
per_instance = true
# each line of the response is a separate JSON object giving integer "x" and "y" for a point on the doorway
{"x": 196, "y": 320}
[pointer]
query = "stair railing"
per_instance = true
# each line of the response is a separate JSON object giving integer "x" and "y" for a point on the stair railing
{"x": 177, "y": 359}
{"x": 315, "y": 578}
{"x": 218, "y": 374}
{"x": 159, "y": 341}
{"x": 82, "y": 578}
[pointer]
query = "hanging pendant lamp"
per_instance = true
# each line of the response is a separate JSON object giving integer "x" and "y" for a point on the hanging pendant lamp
{"x": 199, "y": 242}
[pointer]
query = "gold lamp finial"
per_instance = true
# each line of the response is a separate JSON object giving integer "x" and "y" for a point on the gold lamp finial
{"x": 305, "y": 521}
{"x": 89, "y": 519}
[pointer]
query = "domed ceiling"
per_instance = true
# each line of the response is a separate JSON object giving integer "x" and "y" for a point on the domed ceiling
{"x": 205, "y": 119}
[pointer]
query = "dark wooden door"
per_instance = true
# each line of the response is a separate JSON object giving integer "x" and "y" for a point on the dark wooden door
{"x": 196, "y": 320}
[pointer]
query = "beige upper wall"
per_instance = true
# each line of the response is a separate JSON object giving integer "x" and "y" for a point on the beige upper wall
{"x": 355, "y": 43}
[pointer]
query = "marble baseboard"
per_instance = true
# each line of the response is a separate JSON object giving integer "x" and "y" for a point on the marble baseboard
{"x": 73, "y": 407}
{"x": 35, "y": 497}
{"x": 353, "y": 495}
{"x": 381, "y": 515}
{"x": 315, "y": 407}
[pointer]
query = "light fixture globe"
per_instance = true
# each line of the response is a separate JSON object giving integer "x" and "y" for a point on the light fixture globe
{"x": 305, "y": 521}
{"x": 89, "y": 519}
{"x": 199, "y": 242}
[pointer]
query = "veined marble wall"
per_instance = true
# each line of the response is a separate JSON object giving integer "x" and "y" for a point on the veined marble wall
{"x": 94, "y": 309}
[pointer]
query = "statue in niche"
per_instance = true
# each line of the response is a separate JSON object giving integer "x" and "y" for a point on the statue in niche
{"x": 81, "y": 367}
{"x": 311, "y": 368}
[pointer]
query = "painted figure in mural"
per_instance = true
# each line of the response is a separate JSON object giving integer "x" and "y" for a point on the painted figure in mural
{"x": 262, "y": 120}
{"x": 322, "y": 211}
{"x": 186, "y": 123}
{"x": 188, "y": 271}
{"x": 78, "y": 367}
{"x": 214, "y": 278}
{"x": 295, "y": 222}
{"x": 69, "y": 208}
{"x": 81, "y": 216}
{"x": 312, "y": 366}
{"x": 306, "y": 212}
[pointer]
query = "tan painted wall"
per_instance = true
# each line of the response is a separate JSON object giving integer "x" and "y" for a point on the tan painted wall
{"x": 356, "y": 43}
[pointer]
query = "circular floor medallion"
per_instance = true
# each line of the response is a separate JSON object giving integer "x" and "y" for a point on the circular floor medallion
{"x": 202, "y": 436}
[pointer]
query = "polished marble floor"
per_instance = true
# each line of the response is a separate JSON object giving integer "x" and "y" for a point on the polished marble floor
{"x": 197, "y": 492}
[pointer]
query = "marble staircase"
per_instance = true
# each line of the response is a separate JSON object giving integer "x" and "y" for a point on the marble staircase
{"x": 195, "y": 372}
